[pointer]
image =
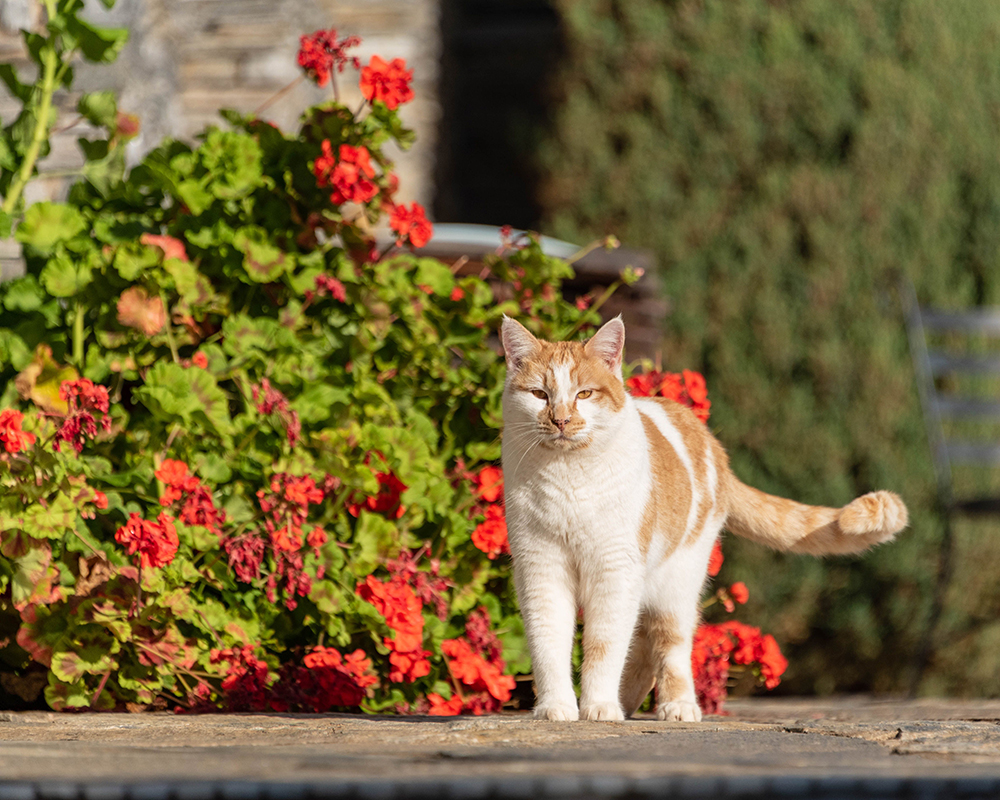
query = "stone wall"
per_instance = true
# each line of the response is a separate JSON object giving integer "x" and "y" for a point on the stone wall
{"x": 186, "y": 59}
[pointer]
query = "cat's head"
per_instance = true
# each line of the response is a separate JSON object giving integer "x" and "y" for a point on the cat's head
{"x": 564, "y": 395}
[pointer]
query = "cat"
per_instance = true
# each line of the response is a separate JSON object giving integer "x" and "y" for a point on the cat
{"x": 613, "y": 505}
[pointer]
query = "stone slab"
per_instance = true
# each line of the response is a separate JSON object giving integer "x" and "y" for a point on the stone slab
{"x": 799, "y": 747}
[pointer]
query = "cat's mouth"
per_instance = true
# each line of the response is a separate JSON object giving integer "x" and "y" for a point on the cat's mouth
{"x": 562, "y": 440}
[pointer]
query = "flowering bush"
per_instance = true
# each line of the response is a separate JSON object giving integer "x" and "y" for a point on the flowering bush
{"x": 247, "y": 455}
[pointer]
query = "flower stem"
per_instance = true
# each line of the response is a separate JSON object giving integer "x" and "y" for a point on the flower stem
{"x": 100, "y": 688}
{"x": 50, "y": 61}
{"x": 78, "y": 333}
{"x": 170, "y": 334}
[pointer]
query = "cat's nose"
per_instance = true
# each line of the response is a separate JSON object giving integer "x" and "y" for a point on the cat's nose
{"x": 560, "y": 424}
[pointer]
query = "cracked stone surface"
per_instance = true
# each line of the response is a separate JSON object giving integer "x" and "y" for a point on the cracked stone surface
{"x": 852, "y": 737}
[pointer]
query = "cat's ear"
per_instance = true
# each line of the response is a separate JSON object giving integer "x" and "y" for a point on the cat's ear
{"x": 518, "y": 343}
{"x": 608, "y": 343}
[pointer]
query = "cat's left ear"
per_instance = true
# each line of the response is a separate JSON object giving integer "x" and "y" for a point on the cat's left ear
{"x": 608, "y": 343}
{"x": 518, "y": 343}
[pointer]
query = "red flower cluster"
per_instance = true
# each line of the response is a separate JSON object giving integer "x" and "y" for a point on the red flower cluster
{"x": 349, "y": 173}
{"x": 199, "y": 507}
{"x": 439, "y": 707}
{"x": 489, "y": 484}
{"x": 156, "y": 542}
{"x": 388, "y": 83}
{"x": 246, "y": 553}
{"x": 85, "y": 399}
{"x": 429, "y": 587}
{"x": 270, "y": 401}
{"x": 245, "y": 684}
{"x": 12, "y": 437}
{"x": 490, "y": 535}
{"x": 386, "y": 502}
{"x": 402, "y": 611}
{"x": 321, "y": 53}
{"x": 331, "y": 680}
{"x": 410, "y": 224}
{"x": 715, "y": 645}
{"x": 286, "y": 507}
{"x": 715, "y": 560}
{"x": 328, "y": 285}
{"x": 199, "y": 360}
{"x": 687, "y": 388}
{"x": 480, "y": 675}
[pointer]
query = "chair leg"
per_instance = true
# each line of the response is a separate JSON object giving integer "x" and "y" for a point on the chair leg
{"x": 928, "y": 641}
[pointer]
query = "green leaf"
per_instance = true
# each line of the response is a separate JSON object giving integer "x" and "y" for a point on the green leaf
{"x": 100, "y": 108}
{"x": 242, "y": 334}
{"x": 13, "y": 351}
{"x": 214, "y": 468}
{"x": 23, "y": 294}
{"x": 317, "y": 402}
{"x": 35, "y": 579}
{"x": 60, "y": 695}
{"x": 22, "y": 91}
{"x": 65, "y": 276}
{"x": 51, "y": 521}
{"x": 262, "y": 261}
{"x": 175, "y": 394}
{"x": 72, "y": 665}
{"x": 436, "y": 275}
{"x": 46, "y": 224}
{"x": 375, "y": 538}
{"x": 101, "y": 45}
{"x": 133, "y": 259}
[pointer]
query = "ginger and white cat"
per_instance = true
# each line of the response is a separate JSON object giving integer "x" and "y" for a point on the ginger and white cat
{"x": 613, "y": 505}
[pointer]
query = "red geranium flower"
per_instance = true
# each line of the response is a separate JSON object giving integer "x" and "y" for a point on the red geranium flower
{"x": 155, "y": 542}
{"x": 444, "y": 708}
{"x": 490, "y": 480}
{"x": 490, "y": 536}
{"x": 11, "y": 436}
{"x": 320, "y": 53}
{"x": 739, "y": 592}
{"x": 388, "y": 83}
{"x": 411, "y": 225}
{"x": 84, "y": 399}
{"x": 474, "y": 671}
{"x": 715, "y": 560}
{"x": 349, "y": 173}
{"x": 687, "y": 388}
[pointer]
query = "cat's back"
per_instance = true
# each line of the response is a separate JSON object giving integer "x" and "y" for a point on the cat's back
{"x": 688, "y": 466}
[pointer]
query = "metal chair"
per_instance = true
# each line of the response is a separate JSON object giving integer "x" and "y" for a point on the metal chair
{"x": 941, "y": 407}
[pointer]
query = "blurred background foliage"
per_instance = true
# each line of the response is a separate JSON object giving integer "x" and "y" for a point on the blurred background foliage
{"x": 783, "y": 160}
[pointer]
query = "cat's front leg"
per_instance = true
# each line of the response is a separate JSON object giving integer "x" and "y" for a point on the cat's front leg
{"x": 610, "y": 609}
{"x": 546, "y": 592}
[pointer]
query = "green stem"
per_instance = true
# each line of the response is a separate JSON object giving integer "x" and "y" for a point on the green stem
{"x": 594, "y": 308}
{"x": 50, "y": 61}
{"x": 78, "y": 334}
{"x": 170, "y": 334}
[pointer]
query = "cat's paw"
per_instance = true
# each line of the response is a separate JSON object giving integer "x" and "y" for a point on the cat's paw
{"x": 679, "y": 711}
{"x": 602, "y": 712}
{"x": 557, "y": 712}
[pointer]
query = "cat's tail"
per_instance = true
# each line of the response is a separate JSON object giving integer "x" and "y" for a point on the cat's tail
{"x": 816, "y": 530}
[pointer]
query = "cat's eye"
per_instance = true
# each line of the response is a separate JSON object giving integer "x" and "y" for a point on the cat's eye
{"x": 539, "y": 394}
{"x": 584, "y": 394}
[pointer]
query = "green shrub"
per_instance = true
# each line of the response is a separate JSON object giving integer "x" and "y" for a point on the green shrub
{"x": 782, "y": 159}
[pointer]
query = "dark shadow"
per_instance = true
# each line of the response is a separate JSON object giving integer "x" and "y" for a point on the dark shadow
{"x": 497, "y": 61}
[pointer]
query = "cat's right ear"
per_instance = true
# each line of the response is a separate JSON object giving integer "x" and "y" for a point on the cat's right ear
{"x": 518, "y": 343}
